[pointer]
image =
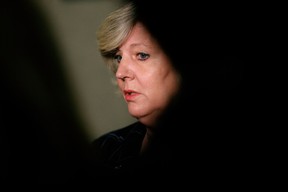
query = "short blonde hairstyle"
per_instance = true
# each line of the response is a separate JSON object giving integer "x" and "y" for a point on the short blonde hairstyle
{"x": 114, "y": 30}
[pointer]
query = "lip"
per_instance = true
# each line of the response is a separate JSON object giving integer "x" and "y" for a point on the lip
{"x": 130, "y": 95}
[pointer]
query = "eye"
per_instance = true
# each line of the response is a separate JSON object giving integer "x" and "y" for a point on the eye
{"x": 117, "y": 58}
{"x": 142, "y": 56}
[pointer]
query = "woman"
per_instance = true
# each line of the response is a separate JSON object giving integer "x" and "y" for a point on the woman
{"x": 182, "y": 124}
{"x": 148, "y": 82}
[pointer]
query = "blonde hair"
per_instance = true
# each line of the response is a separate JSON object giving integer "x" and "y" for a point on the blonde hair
{"x": 114, "y": 30}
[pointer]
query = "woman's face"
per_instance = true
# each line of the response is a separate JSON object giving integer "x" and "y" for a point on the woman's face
{"x": 145, "y": 76}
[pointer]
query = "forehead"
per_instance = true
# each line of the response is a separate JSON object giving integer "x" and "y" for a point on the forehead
{"x": 140, "y": 36}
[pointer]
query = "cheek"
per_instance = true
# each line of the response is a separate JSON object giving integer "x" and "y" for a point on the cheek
{"x": 170, "y": 84}
{"x": 158, "y": 87}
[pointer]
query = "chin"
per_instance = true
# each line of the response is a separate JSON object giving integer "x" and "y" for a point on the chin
{"x": 147, "y": 120}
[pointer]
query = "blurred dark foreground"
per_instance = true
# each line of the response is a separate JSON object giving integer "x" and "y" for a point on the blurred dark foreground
{"x": 42, "y": 138}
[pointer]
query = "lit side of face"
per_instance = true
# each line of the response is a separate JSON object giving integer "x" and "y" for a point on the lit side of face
{"x": 145, "y": 76}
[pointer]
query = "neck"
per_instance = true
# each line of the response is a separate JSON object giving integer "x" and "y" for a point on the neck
{"x": 149, "y": 135}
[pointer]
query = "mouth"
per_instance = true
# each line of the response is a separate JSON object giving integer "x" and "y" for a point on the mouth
{"x": 130, "y": 95}
{"x": 128, "y": 92}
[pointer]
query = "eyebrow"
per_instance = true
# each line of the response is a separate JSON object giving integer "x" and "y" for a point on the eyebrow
{"x": 140, "y": 44}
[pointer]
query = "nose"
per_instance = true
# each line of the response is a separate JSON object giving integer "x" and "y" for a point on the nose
{"x": 125, "y": 70}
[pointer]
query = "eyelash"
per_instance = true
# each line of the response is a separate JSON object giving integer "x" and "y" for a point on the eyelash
{"x": 143, "y": 55}
{"x": 140, "y": 56}
{"x": 117, "y": 58}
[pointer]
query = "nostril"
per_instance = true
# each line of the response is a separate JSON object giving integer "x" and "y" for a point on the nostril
{"x": 121, "y": 77}
{"x": 125, "y": 74}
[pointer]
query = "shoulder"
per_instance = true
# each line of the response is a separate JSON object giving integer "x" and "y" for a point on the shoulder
{"x": 110, "y": 141}
{"x": 119, "y": 135}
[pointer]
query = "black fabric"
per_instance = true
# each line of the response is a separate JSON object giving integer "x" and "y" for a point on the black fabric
{"x": 118, "y": 151}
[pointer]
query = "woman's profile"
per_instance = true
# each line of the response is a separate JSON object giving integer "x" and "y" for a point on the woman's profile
{"x": 147, "y": 81}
